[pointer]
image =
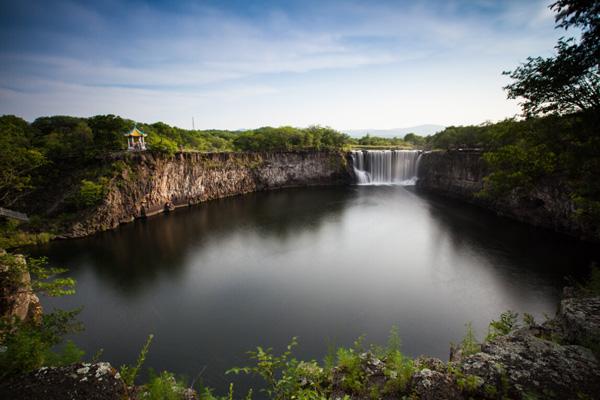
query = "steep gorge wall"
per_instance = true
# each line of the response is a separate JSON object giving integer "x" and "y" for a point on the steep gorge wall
{"x": 460, "y": 175}
{"x": 151, "y": 183}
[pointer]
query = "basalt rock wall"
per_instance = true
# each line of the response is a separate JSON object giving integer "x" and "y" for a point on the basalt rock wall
{"x": 459, "y": 174}
{"x": 150, "y": 183}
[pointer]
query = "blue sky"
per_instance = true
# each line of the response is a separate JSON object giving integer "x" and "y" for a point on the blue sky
{"x": 245, "y": 64}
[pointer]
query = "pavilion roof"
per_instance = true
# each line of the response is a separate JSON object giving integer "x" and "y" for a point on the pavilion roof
{"x": 135, "y": 132}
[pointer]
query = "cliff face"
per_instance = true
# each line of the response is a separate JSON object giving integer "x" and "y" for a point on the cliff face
{"x": 460, "y": 175}
{"x": 456, "y": 174}
{"x": 17, "y": 299}
{"x": 149, "y": 183}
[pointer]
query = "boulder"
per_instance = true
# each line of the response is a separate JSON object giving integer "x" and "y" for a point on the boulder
{"x": 433, "y": 385}
{"x": 521, "y": 364}
{"x": 579, "y": 321}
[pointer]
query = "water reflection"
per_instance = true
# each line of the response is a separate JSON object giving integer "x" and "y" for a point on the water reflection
{"x": 324, "y": 264}
{"x": 134, "y": 256}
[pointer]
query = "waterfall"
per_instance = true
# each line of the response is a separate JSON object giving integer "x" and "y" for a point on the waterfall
{"x": 386, "y": 167}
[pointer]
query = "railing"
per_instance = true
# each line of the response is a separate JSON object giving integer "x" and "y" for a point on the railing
{"x": 13, "y": 214}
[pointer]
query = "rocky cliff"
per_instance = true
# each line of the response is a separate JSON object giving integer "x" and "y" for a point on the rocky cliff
{"x": 460, "y": 174}
{"x": 152, "y": 183}
{"x": 17, "y": 299}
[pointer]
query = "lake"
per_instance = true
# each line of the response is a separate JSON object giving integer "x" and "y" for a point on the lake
{"x": 324, "y": 264}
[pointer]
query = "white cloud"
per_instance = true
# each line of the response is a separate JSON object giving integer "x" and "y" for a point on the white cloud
{"x": 348, "y": 64}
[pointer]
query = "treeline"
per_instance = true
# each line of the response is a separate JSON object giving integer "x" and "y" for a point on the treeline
{"x": 37, "y": 151}
{"x": 64, "y": 136}
{"x": 410, "y": 140}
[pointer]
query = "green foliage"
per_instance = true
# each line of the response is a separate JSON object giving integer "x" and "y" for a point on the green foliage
{"x": 469, "y": 344}
{"x": 12, "y": 236}
{"x": 398, "y": 370}
{"x": 507, "y": 323}
{"x": 44, "y": 278}
{"x": 469, "y": 383}
{"x": 284, "y": 375}
{"x": 518, "y": 165}
{"x": 28, "y": 346}
{"x": 18, "y": 159}
{"x": 69, "y": 354}
{"x": 529, "y": 320}
{"x": 31, "y": 344}
{"x": 349, "y": 362}
{"x": 414, "y": 139}
{"x": 128, "y": 372}
{"x": 375, "y": 141}
{"x": 163, "y": 386}
{"x": 287, "y": 138}
{"x": 568, "y": 81}
{"x": 91, "y": 193}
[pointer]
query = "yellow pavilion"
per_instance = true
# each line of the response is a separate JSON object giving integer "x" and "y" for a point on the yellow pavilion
{"x": 135, "y": 139}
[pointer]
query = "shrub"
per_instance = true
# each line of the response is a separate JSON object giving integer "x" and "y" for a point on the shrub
{"x": 507, "y": 323}
{"x": 163, "y": 386}
{"x": 28, "y": 346}
{"x": 469, "y": 344}
{"x": 129, "y": 372}
{"x": 286, "y": 377}
{"x": 91, "y": 193}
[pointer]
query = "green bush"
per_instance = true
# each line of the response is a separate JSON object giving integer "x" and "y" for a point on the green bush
{"x": 130, "y": 372}
{"x": 469, "y": 344}
{"x": 28, "y": 346}
{"x": 163, "y": 386}
{"x": 507, "y": 322}
{"x": 91, "y": 193}
{"x": 286, "y": 377}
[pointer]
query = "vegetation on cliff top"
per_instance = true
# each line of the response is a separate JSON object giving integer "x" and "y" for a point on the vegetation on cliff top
{"x": 559, "y": 137}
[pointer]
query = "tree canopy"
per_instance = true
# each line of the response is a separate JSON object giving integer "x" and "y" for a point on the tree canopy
{"x": 569, "y": 81}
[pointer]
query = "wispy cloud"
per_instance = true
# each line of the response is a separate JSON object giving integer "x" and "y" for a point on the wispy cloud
{"x": 93, "y": 55}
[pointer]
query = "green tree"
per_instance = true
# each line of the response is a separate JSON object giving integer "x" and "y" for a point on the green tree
{"x": 569, "y": 81}
{"x": 18, "y": 159}
{"x": 108, "y": 132}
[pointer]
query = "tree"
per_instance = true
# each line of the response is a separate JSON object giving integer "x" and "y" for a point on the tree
{"x": 18, "y": 159}
{"x": 569, "y": 81}
{"x": 108, "y": 132}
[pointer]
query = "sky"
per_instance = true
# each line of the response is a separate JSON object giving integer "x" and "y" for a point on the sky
{"x": 245, "y": 64}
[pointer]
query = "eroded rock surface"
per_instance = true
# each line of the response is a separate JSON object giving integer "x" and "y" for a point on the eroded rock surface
{"x": 152, "y": 183}
{"x": 579, "y": 320}
{"x": 17, "y": 299}
{"x": 521, "y": 363}
{"x": 547, "y": 204}
{"x": 78, "y": 381}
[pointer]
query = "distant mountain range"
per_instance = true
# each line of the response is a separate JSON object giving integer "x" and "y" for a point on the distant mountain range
{"x": 423, "y": 130}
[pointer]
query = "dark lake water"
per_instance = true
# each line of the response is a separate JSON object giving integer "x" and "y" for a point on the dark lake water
{"x": 324, "y": 264}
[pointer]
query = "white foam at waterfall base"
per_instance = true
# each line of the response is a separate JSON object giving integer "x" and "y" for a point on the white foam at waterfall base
{"x": 386, "y": 167}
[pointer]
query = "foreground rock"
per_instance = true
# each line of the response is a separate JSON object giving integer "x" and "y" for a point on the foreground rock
{"x": 78, "y": 381}
{"x": 549, "y": 361}
{"x": 521, "y": 364}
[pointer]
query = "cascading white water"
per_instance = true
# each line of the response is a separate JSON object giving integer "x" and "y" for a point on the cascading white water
{"x": 386, "y": 167}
